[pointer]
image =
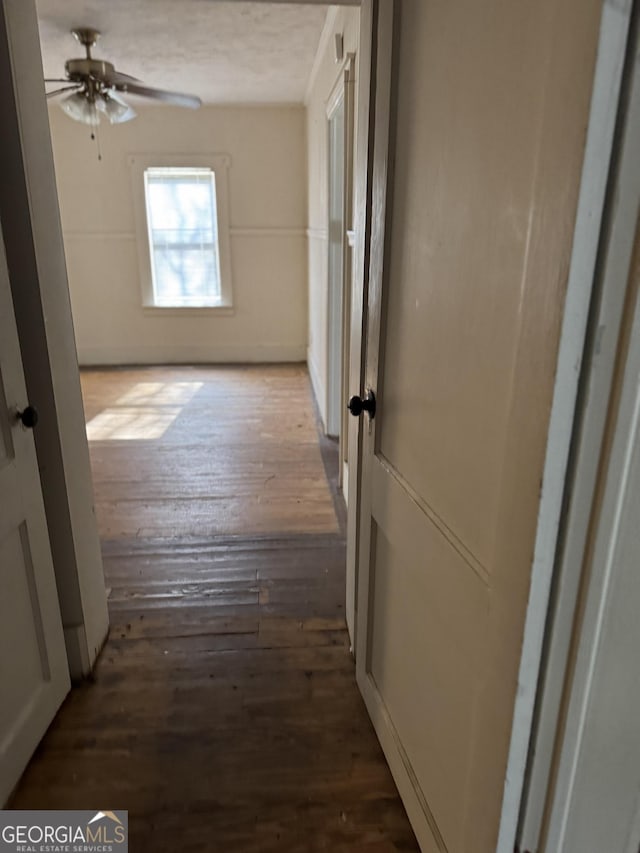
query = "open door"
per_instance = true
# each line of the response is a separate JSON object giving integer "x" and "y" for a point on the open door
{"x": 480, "y": 118}
{"x": 34, "y": 676}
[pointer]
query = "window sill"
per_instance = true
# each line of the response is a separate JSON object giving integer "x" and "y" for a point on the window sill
{"x": 177, "y": 311}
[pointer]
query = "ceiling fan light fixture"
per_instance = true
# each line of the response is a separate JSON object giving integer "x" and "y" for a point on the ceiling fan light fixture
{"x": 80, "y": 108}
{"x": 98, "y": 85}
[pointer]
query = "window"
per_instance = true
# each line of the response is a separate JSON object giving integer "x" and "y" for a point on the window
{"x": 182, "y": 221}
{"x": 182, "y": 230}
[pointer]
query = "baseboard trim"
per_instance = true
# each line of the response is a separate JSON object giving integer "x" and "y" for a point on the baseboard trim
{"x": 229, "y": 354}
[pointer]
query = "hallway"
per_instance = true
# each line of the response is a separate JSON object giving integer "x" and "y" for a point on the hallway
{"x": 223, "y": 713}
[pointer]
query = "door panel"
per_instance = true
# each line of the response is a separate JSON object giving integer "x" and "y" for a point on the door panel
{"x": 480, "y": 119}
{"x": 459, "y": 230}
{"x": 20, "y": 606}
{"x": 34, "y": 676}
{"x": 407, "y": 615}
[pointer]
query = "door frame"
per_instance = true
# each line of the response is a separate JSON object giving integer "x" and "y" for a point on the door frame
{"x": 601, "y": 649}
{"x": 37, "y": 270}
{"x": 590, "y": 211}
{"x": 348, "y": 76}
{"x": 614, "y": 131}
{"x": 335, "y": 289}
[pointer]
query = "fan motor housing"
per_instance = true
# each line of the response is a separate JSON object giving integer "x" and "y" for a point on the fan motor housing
{"x": 80, "y": 69}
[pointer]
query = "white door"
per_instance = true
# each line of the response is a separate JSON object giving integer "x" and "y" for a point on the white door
{"x": 34, "y": 677}
{"x": 476, "y": 170}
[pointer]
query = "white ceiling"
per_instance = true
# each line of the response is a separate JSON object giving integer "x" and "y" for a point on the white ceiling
{"x": 225, "y": 52}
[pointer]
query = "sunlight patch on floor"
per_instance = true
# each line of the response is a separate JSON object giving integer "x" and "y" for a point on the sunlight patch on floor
{"x": 143, "y": 413}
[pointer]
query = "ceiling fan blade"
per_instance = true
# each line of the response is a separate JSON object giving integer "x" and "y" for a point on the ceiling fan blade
{"x": 64, "y": 89}
{"x": 177, "y": 98}
{"x": 117, "y": 78}
{"x": 57, "y": 80}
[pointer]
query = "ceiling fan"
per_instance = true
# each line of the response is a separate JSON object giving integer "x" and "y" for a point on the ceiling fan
{"x": 95, "y": 87}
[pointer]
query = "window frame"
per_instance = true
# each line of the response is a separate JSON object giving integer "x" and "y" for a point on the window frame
{"x": 219, "y": 165}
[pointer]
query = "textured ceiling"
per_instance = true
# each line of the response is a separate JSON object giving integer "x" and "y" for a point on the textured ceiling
{"x": 225, "y": 52}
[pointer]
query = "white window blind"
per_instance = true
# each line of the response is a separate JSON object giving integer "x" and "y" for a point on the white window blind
{"x": 183, "y": 236}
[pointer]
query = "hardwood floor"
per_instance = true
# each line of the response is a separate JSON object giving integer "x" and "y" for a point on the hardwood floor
{"x": 223, "y": 712}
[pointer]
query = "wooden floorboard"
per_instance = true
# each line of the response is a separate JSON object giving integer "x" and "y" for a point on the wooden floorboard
{"x": 195, "y": 451}
{"x": 223, "y": 712}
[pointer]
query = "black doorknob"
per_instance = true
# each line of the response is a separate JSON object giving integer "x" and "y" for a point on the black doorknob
{"x": 28, "y": 417}
{"x": 357, "y": 405}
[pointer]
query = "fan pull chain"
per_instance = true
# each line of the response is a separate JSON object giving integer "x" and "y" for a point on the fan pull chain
{"x": 95, "y": 134}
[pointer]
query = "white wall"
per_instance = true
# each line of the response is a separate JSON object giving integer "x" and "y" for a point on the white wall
{"x": 267, "y": 208}
{"x": 323, "y": 81}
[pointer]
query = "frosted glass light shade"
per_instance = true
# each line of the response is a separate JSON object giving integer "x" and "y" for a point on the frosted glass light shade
{"x": 78, "y": 107}
{"x": 115, "y": 109}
